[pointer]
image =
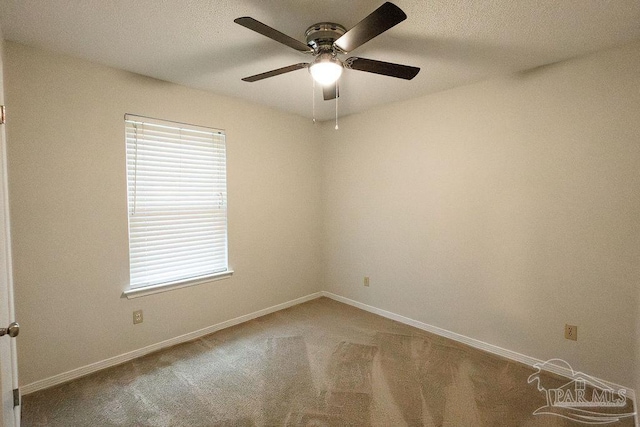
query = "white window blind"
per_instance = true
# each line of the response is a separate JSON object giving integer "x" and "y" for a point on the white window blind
{"x": 177, "y": 190}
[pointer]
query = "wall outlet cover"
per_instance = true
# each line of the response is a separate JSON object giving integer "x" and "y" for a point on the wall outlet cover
{"x": 137, "y": 317}
{"x": 571, "y": 332}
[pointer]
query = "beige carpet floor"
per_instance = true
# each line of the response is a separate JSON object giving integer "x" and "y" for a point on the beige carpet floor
{"x": 321, "y": 363}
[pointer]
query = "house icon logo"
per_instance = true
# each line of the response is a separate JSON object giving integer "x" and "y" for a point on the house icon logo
{"x": 584, "y": 399}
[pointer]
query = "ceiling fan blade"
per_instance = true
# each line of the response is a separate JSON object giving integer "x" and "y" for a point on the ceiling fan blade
{"x": 273, "y": 34}
{"x": 276, "y": 72}
{"x": 379, "y": 21}
{"x": 331, "y": 91}
{"x": 379, "y": 67}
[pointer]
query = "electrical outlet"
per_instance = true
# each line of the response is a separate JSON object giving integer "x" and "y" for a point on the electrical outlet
{"x": 137, "y": 317}
{"x": 366, "y": 280}
{"x": 571, "y": 332}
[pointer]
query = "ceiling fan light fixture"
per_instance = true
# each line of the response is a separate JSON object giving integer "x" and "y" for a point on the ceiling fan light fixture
{"x": 326, "y": 69}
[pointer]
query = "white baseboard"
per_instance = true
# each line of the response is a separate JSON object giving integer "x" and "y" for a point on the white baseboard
{"x": 509, "y": 354}
{"x": 117, "y": 360}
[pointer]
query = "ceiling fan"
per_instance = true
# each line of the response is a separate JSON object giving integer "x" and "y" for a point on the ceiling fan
{"x": 325, "y": 40}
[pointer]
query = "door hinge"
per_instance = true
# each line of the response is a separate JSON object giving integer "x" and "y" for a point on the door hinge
{"x": 16, "y": 397}
{"x": 2, "y": 115}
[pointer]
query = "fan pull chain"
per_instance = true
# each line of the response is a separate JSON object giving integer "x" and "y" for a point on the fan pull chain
{"x": 336, "y": 128}
{"x": 313, "y": 97}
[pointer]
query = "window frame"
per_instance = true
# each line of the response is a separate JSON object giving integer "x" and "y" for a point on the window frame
{"x": 153, "y": 288}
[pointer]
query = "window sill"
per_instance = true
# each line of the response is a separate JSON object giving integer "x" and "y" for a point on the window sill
{"x": 164, "y": 287}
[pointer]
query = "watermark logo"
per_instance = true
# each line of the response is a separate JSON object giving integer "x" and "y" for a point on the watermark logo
{"x": 583, "y": 399}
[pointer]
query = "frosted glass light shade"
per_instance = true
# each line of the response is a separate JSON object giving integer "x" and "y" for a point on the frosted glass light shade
{"x": 326, "y": 71}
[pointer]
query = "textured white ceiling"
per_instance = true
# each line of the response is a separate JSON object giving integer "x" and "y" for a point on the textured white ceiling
{"x": 197, "y": 44}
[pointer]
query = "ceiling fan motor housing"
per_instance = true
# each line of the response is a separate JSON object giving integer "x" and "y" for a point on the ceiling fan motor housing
{"x": 321, "y": 36}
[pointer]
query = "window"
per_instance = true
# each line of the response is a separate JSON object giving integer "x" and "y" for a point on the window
{"x": 177, "y": 199}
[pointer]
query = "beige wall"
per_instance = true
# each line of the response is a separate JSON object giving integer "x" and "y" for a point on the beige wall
{"x": 68, "y": 205}
{"x": 500, "y": 211}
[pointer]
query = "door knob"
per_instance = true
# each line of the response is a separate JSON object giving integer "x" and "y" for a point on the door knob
{"x": 13, "y": 330}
